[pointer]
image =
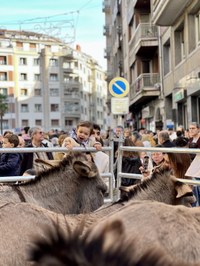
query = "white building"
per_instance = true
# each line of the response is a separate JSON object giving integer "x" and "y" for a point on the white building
{"x": 48, "y": 83}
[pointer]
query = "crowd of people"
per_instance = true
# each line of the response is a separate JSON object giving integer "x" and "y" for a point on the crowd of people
{"x": 87, "y": 134}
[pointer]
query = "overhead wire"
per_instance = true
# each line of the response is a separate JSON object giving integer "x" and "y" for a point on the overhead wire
{"x": 73, "y": 22}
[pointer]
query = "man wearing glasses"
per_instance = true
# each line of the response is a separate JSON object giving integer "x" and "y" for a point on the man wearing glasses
{"x": 28, "y": 162}
{"x": 194, "y": 140}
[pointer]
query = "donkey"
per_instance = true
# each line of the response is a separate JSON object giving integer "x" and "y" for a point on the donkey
{"x": 162, "y": 187}
{"x": 29, "y": 220}
{"x": 173, "y": 228}
{"x": 74, "y": 186}
{"x": 109, "y": 246}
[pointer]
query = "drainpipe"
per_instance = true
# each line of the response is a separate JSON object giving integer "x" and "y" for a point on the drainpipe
{"x": 160, "y": 50}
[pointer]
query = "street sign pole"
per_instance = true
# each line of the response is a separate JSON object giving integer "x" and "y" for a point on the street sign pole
{"x": 119, "y": 88}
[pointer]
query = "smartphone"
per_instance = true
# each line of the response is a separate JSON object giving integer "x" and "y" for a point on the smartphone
{"x": 145, "y": 163}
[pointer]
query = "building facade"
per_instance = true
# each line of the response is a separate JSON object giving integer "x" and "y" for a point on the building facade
{"x": 179, "y": 22}
{"x": 135, "y": 56}
{"x": 158, "y": 46}
{"x": 48, "y": 83}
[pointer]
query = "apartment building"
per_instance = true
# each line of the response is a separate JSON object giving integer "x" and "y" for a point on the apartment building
{"x": 157, "y": 49}
{"x": 132, "y": 52}
{"x": 179, "y": 23}
{"x": 48, "y": 83}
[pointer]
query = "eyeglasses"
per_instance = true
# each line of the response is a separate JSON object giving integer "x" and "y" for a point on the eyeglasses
{"x": 193, "y": 128}
{"x": 40, "y": 132}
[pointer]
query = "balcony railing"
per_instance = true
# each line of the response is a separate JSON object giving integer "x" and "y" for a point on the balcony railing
{"x": 144, "y": 31}
{"x": 107, "y": 52}
{"x": 106, "y": 30}
{"x": 145, "y": 82}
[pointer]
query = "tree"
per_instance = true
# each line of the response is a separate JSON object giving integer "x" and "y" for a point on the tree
{"x": 3, "y": 109}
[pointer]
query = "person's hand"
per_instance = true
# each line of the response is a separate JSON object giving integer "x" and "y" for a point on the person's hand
{"x": 69, "y": 145}
{"x": 98, "y": 146}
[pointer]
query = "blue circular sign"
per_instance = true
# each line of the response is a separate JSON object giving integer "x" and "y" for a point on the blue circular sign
{"x": 119, "y": 87}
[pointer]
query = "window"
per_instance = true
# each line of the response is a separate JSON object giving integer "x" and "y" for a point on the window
{"x": 23, "y": 92}
{"x": 24, "y": 108}
{"x": 53, "y": 77}
{"x": 179, "y": 43}
{"x": 72, "y": 107}
{"x": 198, "y": 27}
{"x": 166, "y": 57}
{"x": 37, "y": 92}
{"x": 68, "y": 123}
{"x": 38, "y": 122}
{"x": 54, "y": 92}
{"x": 54, "y": 107}
{"x": 23, "y": 61}
{"x": 23, "y": 76}
{"x": 32, "y": 46}
{"x": 5, "y": 124}
{"x": 4, "y": 91}
{"x": 38, "y": 108}
{"x": 3, "y": 60}
{"x": 53, "y": 62}
{"x": 55, "y": 123}
{"x": 19, "y": 45}
{"x": 36, "y": 61}
{"x": 25, "y": 123}
{"x": 3, "y": 76}
{"x": 37, "y": 77}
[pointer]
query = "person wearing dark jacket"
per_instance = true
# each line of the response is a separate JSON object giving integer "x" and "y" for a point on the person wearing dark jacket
{"x": 37, "y": 136}
{"x": 131, "y": 163}
{"x": 10, "y": 162}
{"x": 164, "y": 139}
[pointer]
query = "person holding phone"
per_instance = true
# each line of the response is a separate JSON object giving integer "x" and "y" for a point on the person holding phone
{"x": 156, "y": 159}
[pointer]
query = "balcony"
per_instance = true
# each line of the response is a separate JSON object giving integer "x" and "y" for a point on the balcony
{"x": 165, "y": 12}
{"x": 72, "y": 110}
{"x": 70, "y": 95}
{"x": 144, "y": 39}
{"x": 70, "y": 70}
{"x": 107, "y": 53}
{"x": 106, "y": 6}
{"x": 145, "y": 88}
{"x": 106, "y": 30}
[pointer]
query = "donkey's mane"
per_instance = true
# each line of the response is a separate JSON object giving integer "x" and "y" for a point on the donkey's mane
{"x": 156, "y": 178}
{"x": 66, "y": 162}
{"x": 70, "y": 248}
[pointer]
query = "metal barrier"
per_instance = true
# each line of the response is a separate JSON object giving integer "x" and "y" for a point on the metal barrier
{"x": 149, "y": 149}
{"x": 110, "y": 174}
{"x": 56, "y": 149}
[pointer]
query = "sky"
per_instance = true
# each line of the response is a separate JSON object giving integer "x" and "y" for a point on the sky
{"x": 74, "y": 21}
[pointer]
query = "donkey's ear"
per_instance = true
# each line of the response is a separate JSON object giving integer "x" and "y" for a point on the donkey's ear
{"x": 109, "y": 233}
{"x": 182, "y": 190}
{"x": 83, "y": 168}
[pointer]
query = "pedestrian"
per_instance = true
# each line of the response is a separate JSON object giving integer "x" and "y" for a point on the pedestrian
{"x": 37, "y": 136}
{"x": 179, "y": 163}
{"x": 194, "y": 137}
{"x": 10, "y": 162}
{"x": 118, "y": 135}
{"x": 83, "y": 136}
{"x": 164, "y": 139}
{"x": 131, "y": 163}
{"x": 137, "y": 139}
{"x": 194, "y": 143}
